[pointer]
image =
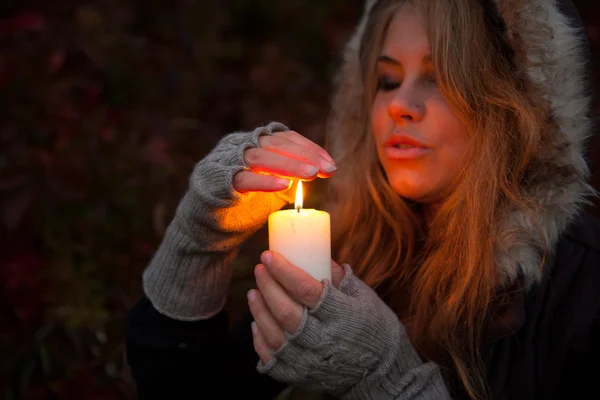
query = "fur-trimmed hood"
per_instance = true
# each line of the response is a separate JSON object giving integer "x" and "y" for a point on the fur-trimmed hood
{"x": 549, "y": 44}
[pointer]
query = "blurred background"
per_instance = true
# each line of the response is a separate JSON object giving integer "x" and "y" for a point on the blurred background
{"x": 105, "y": 107}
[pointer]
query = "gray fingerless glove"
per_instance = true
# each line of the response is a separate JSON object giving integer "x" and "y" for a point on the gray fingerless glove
{"x": 188, "y": 277}
{"x": 353, "y": 346}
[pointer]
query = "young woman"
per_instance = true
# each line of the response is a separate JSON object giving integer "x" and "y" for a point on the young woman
{"x": 472, "y": 272}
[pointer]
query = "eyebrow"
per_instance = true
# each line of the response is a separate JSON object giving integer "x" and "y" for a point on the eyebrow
{"x": 389, "y": 60}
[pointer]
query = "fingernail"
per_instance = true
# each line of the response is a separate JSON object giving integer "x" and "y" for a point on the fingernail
{"x": 266, "y": 257}
{"x": 283, "y": 183}
{"x": 310, "y": 170}
{"x": 327, "y": 166}
{"x": 251, "y": 295}
{"x": 254, "y": 328}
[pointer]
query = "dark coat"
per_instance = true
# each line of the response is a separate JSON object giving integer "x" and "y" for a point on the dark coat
{"x": 550, "y": 348}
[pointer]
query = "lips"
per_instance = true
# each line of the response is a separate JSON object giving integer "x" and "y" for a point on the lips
{"x": 401, "y": 146}
{"x": 402, "y": 140}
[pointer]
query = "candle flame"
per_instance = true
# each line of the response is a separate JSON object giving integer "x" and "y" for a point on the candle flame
{"x": 299, "y": 196}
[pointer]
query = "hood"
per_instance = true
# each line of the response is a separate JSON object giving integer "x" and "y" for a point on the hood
{"x": 548, "y": 40}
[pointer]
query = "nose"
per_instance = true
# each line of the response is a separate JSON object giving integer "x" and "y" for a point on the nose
{"x": 403, "y": 107}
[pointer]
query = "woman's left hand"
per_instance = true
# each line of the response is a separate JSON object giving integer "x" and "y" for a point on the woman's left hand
{"x": 324, "y": 336}
{"x": 278, "y": 304}
{"x": 337, "y": 337}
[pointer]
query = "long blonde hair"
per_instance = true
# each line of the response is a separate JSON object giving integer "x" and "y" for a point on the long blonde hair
{"x": 446, "y": 267}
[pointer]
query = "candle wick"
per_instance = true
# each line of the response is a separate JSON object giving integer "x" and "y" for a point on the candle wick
{"x": 298, "y": 209}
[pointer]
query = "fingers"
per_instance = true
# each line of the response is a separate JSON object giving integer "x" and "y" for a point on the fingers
{"x": 299, "y": 284}
{"x": 287, "y": 155}
{"x": 260, "y": 345}
{"x": 248, "y": 181}
{"x": 269, "y": 327}
{"x": 337, "y": 274}
{"x": 285, "y": 311}
{"x": 302, "y": 141}
{"x": 306, "y": 153}
{"x": 265, "y": 161}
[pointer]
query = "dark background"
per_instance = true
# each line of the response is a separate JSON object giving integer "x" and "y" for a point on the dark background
{"x": 105, "y": 106}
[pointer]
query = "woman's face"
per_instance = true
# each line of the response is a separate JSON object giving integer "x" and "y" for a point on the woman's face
{"x": 421, "y": 143}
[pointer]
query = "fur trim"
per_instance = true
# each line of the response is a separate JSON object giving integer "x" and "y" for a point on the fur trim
{"x": 549, "y": 51}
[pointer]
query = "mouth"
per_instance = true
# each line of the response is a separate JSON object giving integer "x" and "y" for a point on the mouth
{"x": 402, "y": 140}
{"x": 405, "y": 152}
{"x": 404, "y": 147}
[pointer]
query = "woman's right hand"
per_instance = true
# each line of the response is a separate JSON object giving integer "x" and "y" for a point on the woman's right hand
{"x": 282, "y": 157}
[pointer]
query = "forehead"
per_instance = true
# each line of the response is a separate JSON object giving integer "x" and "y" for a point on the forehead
{"x": 406, "y": 34}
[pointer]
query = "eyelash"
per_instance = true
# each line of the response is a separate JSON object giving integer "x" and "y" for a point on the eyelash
{"x": 387, "y": 84}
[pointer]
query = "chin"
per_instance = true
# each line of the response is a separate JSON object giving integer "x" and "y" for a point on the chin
{"x": 413, "y": 188}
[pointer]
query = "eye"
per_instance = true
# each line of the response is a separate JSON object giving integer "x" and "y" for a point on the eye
{"x": 386, "y": 83}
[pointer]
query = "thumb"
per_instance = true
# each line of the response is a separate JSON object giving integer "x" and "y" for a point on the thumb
{"x": 337, "y": 274}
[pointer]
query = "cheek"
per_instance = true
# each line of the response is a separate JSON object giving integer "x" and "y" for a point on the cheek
{"x": 380, "y": 120}
{"x": 450, "y": 154}
{"x": 451, "y": 132}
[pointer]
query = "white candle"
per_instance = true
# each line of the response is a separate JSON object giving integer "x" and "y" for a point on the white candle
{"x": 303, "y": 236}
